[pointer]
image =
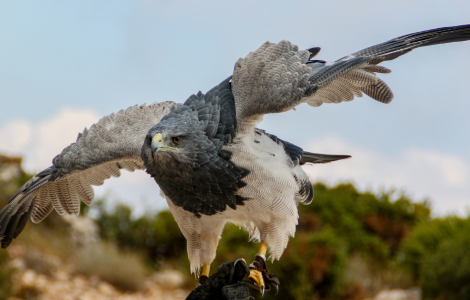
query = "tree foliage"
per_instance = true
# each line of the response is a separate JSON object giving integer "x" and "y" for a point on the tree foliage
{"x": 437, "y": 253}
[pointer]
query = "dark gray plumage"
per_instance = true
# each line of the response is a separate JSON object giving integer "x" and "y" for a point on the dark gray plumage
{"x": 198, "y": 175}
{"x": 208, "y": 157}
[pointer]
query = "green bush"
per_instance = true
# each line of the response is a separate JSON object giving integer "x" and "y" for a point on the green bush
{"x": 371, "y": 224}
{"x": 437, "y": 253}
{"x": 426, "y": 238}
{"x": 446, "y": 272}
{"x": 312, "y": 265}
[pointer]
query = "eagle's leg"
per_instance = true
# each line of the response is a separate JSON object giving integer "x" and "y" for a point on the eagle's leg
{"x": 259, "y": 272}
{"x": 204, "y": 274}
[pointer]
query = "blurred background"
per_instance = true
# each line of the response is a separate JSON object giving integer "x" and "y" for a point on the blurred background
{"x": 395, "y": 216}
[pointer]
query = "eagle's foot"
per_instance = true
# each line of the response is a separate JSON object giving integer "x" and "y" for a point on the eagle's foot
{"x": 261, "y": 277}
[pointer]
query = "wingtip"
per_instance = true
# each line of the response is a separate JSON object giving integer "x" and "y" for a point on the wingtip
{"x": 5, "y": 241}
{"x": 314, "y": 51}
{"x": 339, "y": 157}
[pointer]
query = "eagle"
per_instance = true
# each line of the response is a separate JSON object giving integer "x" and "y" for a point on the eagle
{"x": 212, "y": 163}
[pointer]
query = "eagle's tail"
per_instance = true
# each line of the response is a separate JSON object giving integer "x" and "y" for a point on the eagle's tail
{"x": 315, "y": 158}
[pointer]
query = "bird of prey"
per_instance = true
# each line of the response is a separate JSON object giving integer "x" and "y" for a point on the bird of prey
{"x": 211, "y": 162}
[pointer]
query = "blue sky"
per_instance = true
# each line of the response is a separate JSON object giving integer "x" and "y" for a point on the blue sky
{"x": 64, "y": 64}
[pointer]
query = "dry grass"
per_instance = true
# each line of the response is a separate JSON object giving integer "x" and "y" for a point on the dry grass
{"x": 125, "y": 271}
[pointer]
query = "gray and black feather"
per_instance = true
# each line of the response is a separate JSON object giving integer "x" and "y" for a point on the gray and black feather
{"x": 200, "y": 179}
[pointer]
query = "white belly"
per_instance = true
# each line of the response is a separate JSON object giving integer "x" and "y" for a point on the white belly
{"x": 270, "y": 210}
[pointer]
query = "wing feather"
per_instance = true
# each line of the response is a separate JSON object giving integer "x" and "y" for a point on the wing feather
{"x": 84, "y": 190}
{"x": 42, "y": 206}
{"x": 42, "y": 209}
{"x": 277, "y": 77}
{"x": 54, "y": 191}
{"x": 99, "y": 153}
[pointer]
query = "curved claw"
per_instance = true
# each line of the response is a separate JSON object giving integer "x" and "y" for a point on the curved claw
{"x": 257, "y": 277}
{"x": 272, "y": 280}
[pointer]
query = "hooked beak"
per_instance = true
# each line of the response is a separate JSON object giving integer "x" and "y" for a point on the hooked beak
{"x": 158, "y": 144}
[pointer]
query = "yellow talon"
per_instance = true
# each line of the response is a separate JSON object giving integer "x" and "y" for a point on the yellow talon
{"x": 257, "y": 277}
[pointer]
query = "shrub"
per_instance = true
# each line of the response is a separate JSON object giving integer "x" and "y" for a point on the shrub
{"x": 437, "y": 254}
{"x": 371, "y": 224}
{"x": 426, "y": 238}
{"x": 446, "y": 272}
{"x": 313, "y": 264}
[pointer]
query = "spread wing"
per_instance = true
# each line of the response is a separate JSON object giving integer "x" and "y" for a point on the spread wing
{"x": 277, "y": 77}
{"x": 112, "y": 144}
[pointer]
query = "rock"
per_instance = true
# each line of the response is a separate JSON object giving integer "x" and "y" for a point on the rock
{"x": 63, "y": 283}
{"x": 106, "y": 289}
{"x": 28, "y": 278}
{"x": 18, "y": 264}
{"x": 410, "y": 294}
{"x": 170, "y": 279}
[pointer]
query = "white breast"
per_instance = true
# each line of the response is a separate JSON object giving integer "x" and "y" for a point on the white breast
{"x": 271, "y": 205}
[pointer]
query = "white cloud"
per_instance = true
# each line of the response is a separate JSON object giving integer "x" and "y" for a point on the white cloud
{"x": 422, "y": 173}
{"x": 15, "y": 135}
{"x": 135, "y": 189}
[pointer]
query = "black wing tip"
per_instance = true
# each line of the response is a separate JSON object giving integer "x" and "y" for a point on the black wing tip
{"x": 339, "y": 157}
{"x": 316, "y": 158}
{"x": 5, "y": 241}
{"x": 437, "y": 36}
{"x": 398, "y": 46}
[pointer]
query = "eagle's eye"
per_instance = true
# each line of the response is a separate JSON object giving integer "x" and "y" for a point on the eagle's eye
{"x": 177, "y": 139}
